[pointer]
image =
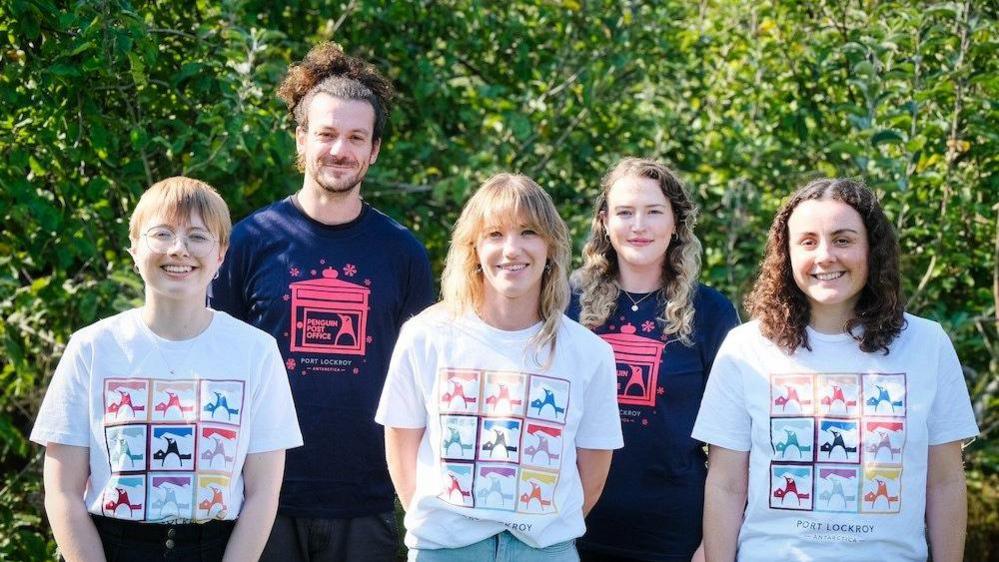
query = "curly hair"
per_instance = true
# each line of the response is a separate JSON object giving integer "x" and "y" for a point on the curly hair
{"x": 781, "y": 306}
{"x": 327, "y": 69}
{"x": 501, "y": 199}
{"x": 597, "y": 279}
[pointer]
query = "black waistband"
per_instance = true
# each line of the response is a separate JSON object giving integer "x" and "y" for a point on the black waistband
{"x": 159, "y": 532}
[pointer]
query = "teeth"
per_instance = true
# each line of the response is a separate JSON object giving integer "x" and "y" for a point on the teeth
{"x": 513, "y": 267}
{"x": 177, "y": 268}
{"x": 828, "y": 276}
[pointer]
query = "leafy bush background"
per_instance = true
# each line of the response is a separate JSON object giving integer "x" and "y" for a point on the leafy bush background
{"x": 101, "y": 98}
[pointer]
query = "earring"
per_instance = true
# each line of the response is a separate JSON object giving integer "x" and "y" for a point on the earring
{"x": 478, "y": 268}
{"x": 548, "y": 265}
{"x": 135, "y": 268}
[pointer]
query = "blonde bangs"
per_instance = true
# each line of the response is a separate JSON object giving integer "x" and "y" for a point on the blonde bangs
{"x": 175, "y": 200}
{"x": 501, "y": 200}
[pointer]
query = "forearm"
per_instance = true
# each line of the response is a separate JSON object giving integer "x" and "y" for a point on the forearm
{"x": 401, "y": 448}
{"x": 262, "y": 473}
{"x": 593, "y": 466}
{"x": 73, "y": 529}
{"x": 946, "y": 502}
{"x": 253, "y": 527}
{"x": 723, "y": 511}
{"x": 946, "y": 520}
{"x": 724, "y": 502}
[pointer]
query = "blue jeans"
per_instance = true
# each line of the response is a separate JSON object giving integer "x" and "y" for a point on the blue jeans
{"x": 503, "y": 547}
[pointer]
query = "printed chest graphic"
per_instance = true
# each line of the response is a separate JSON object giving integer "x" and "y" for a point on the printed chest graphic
{"x": 501, "y": 442}
{"x": 638, "y": 359}
{"x": 329, "y": 315}
{"x": 173, "y": 461}
{"x": 837, "y": 441}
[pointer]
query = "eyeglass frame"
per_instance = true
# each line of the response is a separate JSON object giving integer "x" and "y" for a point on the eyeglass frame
{"x": 185, "y": 238}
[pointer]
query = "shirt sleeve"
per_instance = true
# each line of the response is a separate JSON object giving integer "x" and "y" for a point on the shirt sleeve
{"x": 725, "y": 318}
{"x": 227, "y": 291}
{"x": 275, "y": 423}
{"x": 64, "y": 416}
{"x": 951, "y": 417}
{"x": 723, "y": 419}
{"x": 420, "y": 293}
{"x": 402, "y": 403}
{"x": 600, "y": 427}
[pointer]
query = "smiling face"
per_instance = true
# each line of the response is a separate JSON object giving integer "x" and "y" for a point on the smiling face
{"x": 337, "y": 147}
{"x": 174, "y": 271}
{"x": 512, "y": 257}
{"x": 639, "y": 222}
{"x": 828, "y": 247}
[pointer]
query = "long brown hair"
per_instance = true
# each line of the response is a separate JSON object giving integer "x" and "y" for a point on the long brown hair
{"x": 783, "y": 309}
{"x": 597, "y": 278}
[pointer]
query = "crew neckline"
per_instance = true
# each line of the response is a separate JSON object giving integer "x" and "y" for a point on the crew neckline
{"x": 831, "y": 338}
{"x": 174, "y": 345}
{"x": 330, "y": 228}
{"x": 506, "y": 335}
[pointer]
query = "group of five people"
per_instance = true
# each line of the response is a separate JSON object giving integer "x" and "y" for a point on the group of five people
{"x": 834, "y": 419}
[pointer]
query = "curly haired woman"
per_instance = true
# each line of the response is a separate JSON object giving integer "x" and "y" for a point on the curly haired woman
{"x": 838, "y": 414}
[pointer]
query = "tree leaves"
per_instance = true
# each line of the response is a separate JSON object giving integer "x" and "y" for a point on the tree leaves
{"x": 746, "y": 100}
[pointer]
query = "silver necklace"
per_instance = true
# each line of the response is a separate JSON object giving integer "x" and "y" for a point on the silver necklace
{"x": 634, "y": 303}
{"x": 186, "y": 353}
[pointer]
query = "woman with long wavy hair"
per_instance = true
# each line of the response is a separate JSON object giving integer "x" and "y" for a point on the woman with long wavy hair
{"x": 499, "y": 412}
{"x": 638, "y": 290}
{"x": 839, "y": 415}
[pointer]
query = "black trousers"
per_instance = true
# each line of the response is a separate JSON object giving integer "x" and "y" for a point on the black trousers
{"x": 130, "y": 541}
{"x": 370, "y": 538}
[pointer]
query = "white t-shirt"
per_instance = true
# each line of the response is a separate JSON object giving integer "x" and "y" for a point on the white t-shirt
{"x": 499, "y": 451}
{"x": 168, "y": 447}
{"x": 837, "y": 439}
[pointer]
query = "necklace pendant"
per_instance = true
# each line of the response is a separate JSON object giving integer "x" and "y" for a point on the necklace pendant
{"x": 634, "y": 308}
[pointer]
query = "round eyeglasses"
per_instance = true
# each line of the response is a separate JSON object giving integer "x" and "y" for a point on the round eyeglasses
{"x": 161, "y": 240}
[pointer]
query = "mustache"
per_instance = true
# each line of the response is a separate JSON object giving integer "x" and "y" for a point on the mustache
{"x": 343, "y": 161}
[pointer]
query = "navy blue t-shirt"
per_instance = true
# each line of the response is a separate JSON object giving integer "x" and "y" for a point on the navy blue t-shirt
{"x": 652, "y": 504}
{"x": 335, "y": 298}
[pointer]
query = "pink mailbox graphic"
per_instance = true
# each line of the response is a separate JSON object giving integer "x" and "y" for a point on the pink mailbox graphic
{"x": 329, "y": 315}
{"x": 637, "y": 366}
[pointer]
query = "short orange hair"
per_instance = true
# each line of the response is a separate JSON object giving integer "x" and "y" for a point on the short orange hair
{"x": 176, "y": 199}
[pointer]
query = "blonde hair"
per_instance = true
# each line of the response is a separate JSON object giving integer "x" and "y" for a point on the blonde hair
{"x": 500, "y": 200}
{"x": 597, "y": 279}
{"x": 176, "y": 199}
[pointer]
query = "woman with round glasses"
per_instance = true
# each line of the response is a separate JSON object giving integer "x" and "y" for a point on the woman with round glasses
{"x": 838, "y": 415}
{"x": 638, "y": 290}
{"x": 165, "y": 426}
{"x": 499, "y": 411}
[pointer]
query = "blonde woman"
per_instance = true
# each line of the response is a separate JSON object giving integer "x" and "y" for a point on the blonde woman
{"x": 499, "y": 412}
{"x": 165, "y": 426}
{"x": 638, "y": 290}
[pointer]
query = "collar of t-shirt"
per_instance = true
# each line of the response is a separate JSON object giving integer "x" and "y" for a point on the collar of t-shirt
{"x": 330, "y": 230}
{"x": 842, "y": 337}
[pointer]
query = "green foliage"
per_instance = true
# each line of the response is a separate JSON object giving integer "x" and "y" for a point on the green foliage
{"x": 747, "y": 100}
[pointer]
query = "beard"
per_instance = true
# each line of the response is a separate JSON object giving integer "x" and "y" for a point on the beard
{"x": 331, "y": 184}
